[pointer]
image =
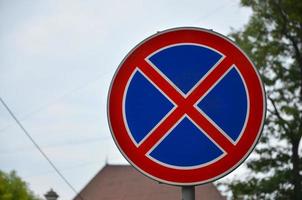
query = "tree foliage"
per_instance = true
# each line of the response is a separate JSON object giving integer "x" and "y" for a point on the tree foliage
{"x": 273, "y": 40}
{"x": 13, "y": 188}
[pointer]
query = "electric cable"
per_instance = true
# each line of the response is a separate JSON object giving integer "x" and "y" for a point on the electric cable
{"x": 40, "y": 150}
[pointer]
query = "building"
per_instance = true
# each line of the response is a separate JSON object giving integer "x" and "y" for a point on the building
{"x": 123, "y": 182}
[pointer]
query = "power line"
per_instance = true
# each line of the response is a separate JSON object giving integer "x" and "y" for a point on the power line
{"x": 66, "y": 169}
{"x": 63, "y": 144}
{"x": 58, "y": 99}
{"x": 215, "y": 10}
{"x": 40, "y": 150}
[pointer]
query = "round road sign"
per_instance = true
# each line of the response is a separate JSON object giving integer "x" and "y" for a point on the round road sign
{"x": 186, "y": 106}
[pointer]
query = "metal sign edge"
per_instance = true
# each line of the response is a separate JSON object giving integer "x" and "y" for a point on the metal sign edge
{"x": 230, "y": 169}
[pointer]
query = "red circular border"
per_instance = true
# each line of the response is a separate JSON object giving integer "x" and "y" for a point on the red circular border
{"x": 224, "y": 165}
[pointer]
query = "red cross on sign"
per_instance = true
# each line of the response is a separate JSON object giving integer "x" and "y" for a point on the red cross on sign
{"x": 186, "y": 106}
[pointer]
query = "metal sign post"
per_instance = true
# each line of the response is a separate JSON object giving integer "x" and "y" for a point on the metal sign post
{"x": 188, "y": 193}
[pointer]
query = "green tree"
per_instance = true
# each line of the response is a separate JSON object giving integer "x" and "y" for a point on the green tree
{"x": 13, "y": 188}
{"x": 273, "y": 40}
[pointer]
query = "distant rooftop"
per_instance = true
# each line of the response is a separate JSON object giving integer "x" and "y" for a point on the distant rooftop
{"x": 116, "y": 182}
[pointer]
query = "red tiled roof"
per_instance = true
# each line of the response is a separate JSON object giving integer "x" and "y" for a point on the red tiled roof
{"x": 123, "y": 182}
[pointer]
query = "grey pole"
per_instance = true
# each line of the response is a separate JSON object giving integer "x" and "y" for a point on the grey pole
{"x": 188, "y": 192}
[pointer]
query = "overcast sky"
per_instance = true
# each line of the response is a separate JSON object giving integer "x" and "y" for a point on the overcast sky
{"x": 57, "y": 59}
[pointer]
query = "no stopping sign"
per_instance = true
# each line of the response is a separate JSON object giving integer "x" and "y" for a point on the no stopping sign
{"x": 186, "y": 106}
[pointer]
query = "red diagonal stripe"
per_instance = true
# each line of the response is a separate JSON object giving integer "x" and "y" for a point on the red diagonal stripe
{"x": 209, "y": 81}
{"x": 161, "y": 130}
{"x": 185, "y": 105}
{"x": 210, "y": 129}
{"x": 161, "y": 82}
